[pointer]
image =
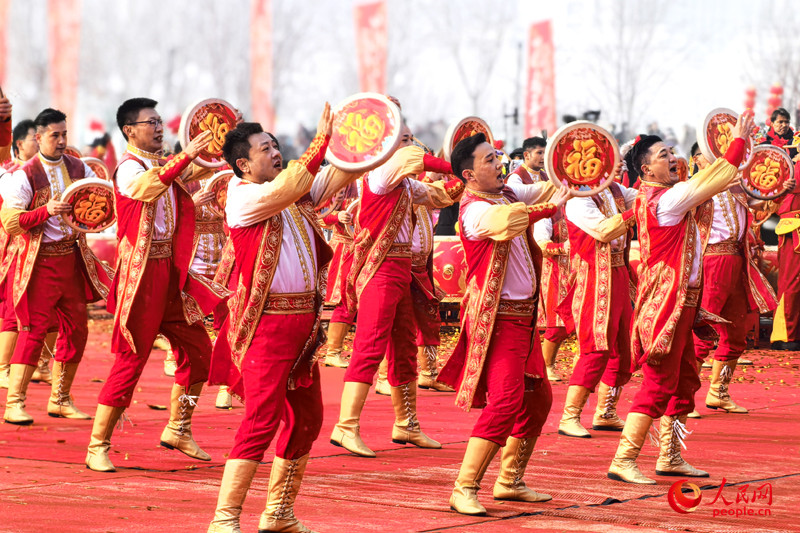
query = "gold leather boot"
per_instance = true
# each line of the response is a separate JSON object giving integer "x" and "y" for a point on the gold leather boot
{"x": 570, "y": 424}
{"x": 178, "y": 433}
{"x": 60, "y": 404}
{"x": 382, "y": 386}
{"x": 718, "y": 396}
{"x": 694, "y": 413}
{"x": 42, "y": 373}
{"x": 514, "y": 461}
{"x": 429, "y": 369}
{"x": 284, "y": 484}
{"x": 346, "y": 431}
{"x": 337, "y": 331}
{"x": 670, "y": 462}
{"x": 549, "y": 351}
{"x": 105, "y": 418}
{"x": 605, "y": 416}
{"x": 477, "y": 458}
{"x": 236, "y": 480}
{"x": 18, "y": 380}
{"x": 624, "y": 467}
{"x": 406, "y": 429}
{"x": 223, "y": 400}
{"x": 8, "y": 341}
{"x": 170, "y": 364}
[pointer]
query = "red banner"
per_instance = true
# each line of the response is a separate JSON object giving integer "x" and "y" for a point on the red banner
{"x": 540, "y": 98}
{"x": 371, "y": 43}
{"x": 4, "y": 5}
{"x": 261, "y": 64}
{"x": 64, "y": 50}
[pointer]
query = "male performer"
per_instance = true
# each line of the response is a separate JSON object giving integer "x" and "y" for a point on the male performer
{"x": 780, "y": 133}
{"x": 380, "y": 282}
{"x": 674, "y": 220}
{"x": 25, "y": 147}
{"x": 55, "y": 274}
{"x": 268, "y": 341}
{"x": 602, "y": 305}
{"x": 342, "y": 243}
{"x": 153, "y": 289}
{"x": 497, "y": 363}
{"x": 8, "y": 163}
{"x": 786, "y": 325}
{"x": 532, "y": 168}
{"x": 733, "y": 288}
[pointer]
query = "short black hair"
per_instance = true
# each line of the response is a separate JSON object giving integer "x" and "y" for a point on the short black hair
{"x": 20, "y": 132}
{"x": 49, "y": 116}
{"x": 516, "y": 153}
{"x": 533, "y": 142}
{"x": 637, "y": 155}
{"x": 462, "y": 158}
{"x": 237, "y": 144}
{"x": 779, "y": 112}
{"x": 128, "y": 112}
{"x": 695, "y": 149}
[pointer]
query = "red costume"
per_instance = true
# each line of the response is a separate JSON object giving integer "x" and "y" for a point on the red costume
{"x": 786, "y": 327}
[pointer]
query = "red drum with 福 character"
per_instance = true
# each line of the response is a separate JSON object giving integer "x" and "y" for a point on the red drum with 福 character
{"x": 765, "y": 176}
{"x": 98, "y": 167}
{"x": 214, "y": 115}
{"x": 450, "y": 267}
{"x": 366, "y": 132}
{"x": 583, "y": 156}
{"x": 466, "y": 127}
{"x": 715, "y": 135}
{"x": 92, "y": 201}
{"x": 218, "y": 185}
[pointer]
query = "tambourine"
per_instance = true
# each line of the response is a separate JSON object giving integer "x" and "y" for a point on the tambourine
{"x": 714, "y": 135}
{"x": 466, "y": 127}
{"x": 98, "y": 167}
{"x": 350, "y": 228}
{"x": 366, "y": 132}
{"x": 92, "y": 201}
{"x": 583, "y": 156}
{"x": 767, "y": 172}
{"x": 212, "y": 114}
{"x": 218, "y": 185}
{"x": 74, "y": 152}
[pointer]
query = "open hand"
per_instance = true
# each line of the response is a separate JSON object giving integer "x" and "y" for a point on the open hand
{"x": 325, "y": 124}
{"x": 202, "y": 197}
{"x": 561, "y": 195}
{"x": 744, "y": 126}
{"x": 5, "y": 109}
{"x": 57, "y": 207}
{"x": 198, "y": 144}
{"x": 345, "y": 217}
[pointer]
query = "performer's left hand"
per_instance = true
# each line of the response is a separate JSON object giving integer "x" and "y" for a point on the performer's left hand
{"x": 5, "y": 109}
{"x": 345, "y": 217}
{"x": 202, "y": 198}
{"x": 197, "y": 144}
{"x": 789, "y": 185}
{"x": 325, "y": 124}
{"x": 618, "y": 172}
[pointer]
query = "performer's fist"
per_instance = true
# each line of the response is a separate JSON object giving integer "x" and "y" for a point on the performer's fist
{"x": 561, "y": 195}
{"x": 5, "y": 110}
{"x": 345, "y": 217}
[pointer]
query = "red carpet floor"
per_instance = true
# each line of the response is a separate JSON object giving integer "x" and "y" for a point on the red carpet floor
{"x": 44, "y": 485}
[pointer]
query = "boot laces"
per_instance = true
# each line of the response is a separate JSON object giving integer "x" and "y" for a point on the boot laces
{"x": 122, "y": 419}
{"x": 63, "y": 399}
{"x": 431, "y": 353}
{"x": 185, "y": 400}
{"x": 412, "y": 421}
{"x": 518, "y": 474}
{"x": 724, "y": 380}
{"x": 609, "y": 409}
{"x": 284, "y": 510}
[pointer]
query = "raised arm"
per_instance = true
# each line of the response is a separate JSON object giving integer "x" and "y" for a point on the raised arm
{"x": 535, "y": 193}
{"x": 6, "y": 136}
{"x": 501, "y": 222}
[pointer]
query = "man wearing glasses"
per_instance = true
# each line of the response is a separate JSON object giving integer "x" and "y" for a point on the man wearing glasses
{"x": 153, "y": 290}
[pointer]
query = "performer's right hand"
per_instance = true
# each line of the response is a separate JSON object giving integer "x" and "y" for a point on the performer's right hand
{"x": 345, "y": 217}
{"x": 325, "y": 124}
{"x": 57, "y": 207}
{"x": 202, "y": 197}
{"x": 744, "y": 126}
{"x": 5, "y": 109}
{"x": 561, "y": 195}
{"x": 197, "y": 144}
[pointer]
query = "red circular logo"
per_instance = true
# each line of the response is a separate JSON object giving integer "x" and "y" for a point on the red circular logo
{"x": 680, "y": 502}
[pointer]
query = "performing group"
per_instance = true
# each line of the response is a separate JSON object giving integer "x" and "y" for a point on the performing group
{"x": 542, "y": 263}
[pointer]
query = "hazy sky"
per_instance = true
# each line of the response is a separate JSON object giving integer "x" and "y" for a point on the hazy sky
{"x": 697, "y": 55}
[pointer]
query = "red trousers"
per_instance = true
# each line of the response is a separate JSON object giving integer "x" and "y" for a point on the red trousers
{"x": 277, "y": 343}
{"x": 556, "y": 334}
{"x": 426, "y": 316}
{"x": 7, "y": 313}
{"x": 157, "y": 308}
{"x": 385, "y": 326}
{"x": 511, "y": 409}
{"x": 56, "y": 290}
{"x": 613, "y": 366}
{"x": 340, "y": 314}
{"x": 669, "y": 387}
{"x": 724, "y": 294}
{"x": 789, "y": 287}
